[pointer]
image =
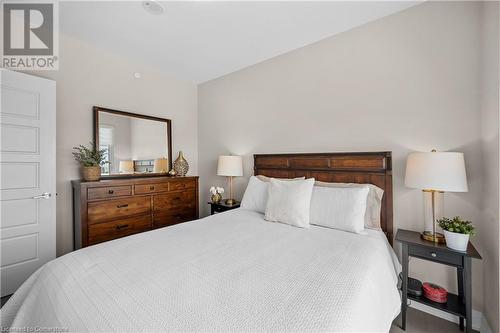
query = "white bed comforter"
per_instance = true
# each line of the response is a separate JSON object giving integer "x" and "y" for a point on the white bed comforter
{"x": 228, "y": 272}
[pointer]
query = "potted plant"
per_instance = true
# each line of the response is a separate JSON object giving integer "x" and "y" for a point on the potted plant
{"x": 216, "y": 194}
{"x": 91, "y": 160}
{"x": 456, "y": 232}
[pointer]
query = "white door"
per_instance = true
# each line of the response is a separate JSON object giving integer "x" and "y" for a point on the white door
{"x": 28, "y": 171}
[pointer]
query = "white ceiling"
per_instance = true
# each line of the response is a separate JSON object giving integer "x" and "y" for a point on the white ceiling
{"x": 202, "y": 40}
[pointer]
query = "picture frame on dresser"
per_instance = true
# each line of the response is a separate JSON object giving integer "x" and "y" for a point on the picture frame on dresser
{"x": 112, "y": 208}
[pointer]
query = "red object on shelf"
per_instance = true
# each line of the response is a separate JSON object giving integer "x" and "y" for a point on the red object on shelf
{"x": 434, "y": 292}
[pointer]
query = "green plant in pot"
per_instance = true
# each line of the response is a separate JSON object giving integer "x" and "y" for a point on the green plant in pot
{"x": 456, "y": 232}
{"x": 91, "y": 160}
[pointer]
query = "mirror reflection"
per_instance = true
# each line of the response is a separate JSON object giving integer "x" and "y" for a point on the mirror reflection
{"x": 134, "y": 144}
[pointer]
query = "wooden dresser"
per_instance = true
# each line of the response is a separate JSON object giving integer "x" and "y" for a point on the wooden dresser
{"x": 110, "y": 209}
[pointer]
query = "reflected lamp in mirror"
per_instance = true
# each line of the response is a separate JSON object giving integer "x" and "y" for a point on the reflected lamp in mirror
{"x": 435, "y": 173}
{"x": 126, "y": 166}
{"x": 230, "y": 166}
{"x": 160, "y": 165}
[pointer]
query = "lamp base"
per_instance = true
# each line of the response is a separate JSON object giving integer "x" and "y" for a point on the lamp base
{"x": 429, "y": 236}
{"x": 230, "y": 202}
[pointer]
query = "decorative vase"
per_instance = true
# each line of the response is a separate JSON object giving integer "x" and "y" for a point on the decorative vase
{"x": 456, "y": 241}
{"x": 91, "y": 174}
{"x": 216, "y": 198}
{"x": 181, "y": 166}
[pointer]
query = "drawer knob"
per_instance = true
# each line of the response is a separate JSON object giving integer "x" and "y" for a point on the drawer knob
{"x": 111, "y": 191}
{"x": 121, "y": 226}
{"x": 151, "y": 188}
{"x": 433, "y": 254}
{"x": 122, "y": 206}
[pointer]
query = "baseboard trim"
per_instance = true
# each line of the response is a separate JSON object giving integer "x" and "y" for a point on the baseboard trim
{"x": 479, "y": 322}
{"x": 485, "y": 327}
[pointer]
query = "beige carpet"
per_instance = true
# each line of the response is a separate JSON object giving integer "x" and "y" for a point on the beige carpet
{"x": 421, "y": 322}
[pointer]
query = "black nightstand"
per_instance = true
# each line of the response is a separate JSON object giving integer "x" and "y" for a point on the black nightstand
{"x": 459, "y": 305}
{"x": 221, "y": 207}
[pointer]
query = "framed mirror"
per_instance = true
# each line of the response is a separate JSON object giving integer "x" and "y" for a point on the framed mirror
{"x": 135, "y": 144}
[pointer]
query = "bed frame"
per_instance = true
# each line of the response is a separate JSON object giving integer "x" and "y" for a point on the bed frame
{"x": 364, "y": 167}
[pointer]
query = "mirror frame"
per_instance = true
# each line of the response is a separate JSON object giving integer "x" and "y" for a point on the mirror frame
{"x": 168, "y": 122}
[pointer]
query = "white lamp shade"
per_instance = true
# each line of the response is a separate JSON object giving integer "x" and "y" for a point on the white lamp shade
{"x": 126, "y": 167}
{"x": 160, "y": 165}
{"x": 438, "y": 171}
{"x": 230, "y": 166}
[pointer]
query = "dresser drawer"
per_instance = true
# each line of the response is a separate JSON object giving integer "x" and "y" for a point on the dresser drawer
{"x": 150, "y": 188}
{"x": 114, "y": 209}
{"x": 181, "y": 184}
{"x": 105, "y": 231}
{"x": 436, "y": 255}
{"x": 108, "y": 192}
{"x": 179, "y": 201}
{"x": 166, "y": 218}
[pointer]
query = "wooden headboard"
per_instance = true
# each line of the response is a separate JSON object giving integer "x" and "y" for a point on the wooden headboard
{"x": 365, "y": 167}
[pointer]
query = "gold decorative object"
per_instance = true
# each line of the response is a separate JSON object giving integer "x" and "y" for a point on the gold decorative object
{"x": 181, "y": 166}
{"x": 172, "y": 173}
{"x": 91, "y": 174}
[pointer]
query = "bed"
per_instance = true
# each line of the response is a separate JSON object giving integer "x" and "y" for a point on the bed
{"x": 228, "y": 272}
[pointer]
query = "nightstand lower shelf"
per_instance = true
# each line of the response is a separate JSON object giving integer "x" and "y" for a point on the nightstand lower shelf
{"x": 454, "y": 305}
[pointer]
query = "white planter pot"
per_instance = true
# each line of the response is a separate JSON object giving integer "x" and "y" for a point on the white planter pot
{"x": 456, "y": 241}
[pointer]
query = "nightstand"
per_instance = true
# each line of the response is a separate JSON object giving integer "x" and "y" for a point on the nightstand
{"x": 459, "y": 305}
{"x": 221, "y": 207}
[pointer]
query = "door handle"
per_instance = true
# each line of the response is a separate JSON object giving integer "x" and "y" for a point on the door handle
{"x": 44, "y": 195}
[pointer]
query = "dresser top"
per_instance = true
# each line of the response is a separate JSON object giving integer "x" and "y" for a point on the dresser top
{"x": 413, "y": 238}
{"x": 76, "y": 183}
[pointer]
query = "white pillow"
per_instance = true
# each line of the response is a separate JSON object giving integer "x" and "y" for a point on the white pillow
{"x": 373, "y": 202}
{"x": 255, "y": 196}
{"x": 340, "y": 208}
{"x": 289, "y": 202}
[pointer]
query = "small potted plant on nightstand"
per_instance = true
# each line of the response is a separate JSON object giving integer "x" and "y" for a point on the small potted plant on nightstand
{"x": 90, "y": 160}
{"x": 216, "y": 194}
{"x": 456, "y": 232}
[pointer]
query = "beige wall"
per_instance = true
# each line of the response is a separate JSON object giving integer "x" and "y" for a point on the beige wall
{"x": 148, "y": 139}
{"x": 489, "y": 99}
{"x": 89, "y": 76}
{"x": 408, "y": 82}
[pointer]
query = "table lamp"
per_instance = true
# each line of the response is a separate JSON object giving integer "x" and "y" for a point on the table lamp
{"x": 126, "y": 166}
{"x": 435, "y": 173}
{"x": 160, "y": 165}
{"x": 230, "y": 166}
